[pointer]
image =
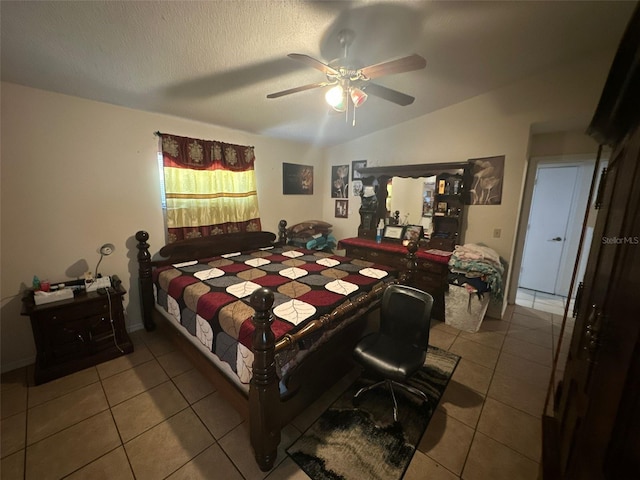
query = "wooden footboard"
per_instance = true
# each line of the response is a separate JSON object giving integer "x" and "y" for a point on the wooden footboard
{"x": 268, "y": 412}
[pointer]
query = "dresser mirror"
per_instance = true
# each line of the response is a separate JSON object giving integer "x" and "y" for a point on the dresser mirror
{"x": 429, "y": 195}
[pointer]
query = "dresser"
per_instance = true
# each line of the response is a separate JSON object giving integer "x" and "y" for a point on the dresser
{"x": 76, "y": 333}
{"x": 431, "y": 275}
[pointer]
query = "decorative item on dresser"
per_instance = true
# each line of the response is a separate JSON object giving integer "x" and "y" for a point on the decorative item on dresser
{"x": 78, "y": 332}
{"x": 270, "y": 353}
{"x": 422, "y": 269}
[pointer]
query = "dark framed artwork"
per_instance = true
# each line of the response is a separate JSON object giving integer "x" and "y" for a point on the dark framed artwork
{"x": 342, "y": 209}
{"x": 486, "y": 185}
{"x": 297, "y": 179}
{"x": 356, "y": 165}
{"x": 340, "y": 181}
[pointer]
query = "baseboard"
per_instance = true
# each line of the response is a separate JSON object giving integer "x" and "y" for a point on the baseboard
{"x": 8, "y": 367}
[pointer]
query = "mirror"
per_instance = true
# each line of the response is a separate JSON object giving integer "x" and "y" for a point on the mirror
{"x": 413, "y": 198}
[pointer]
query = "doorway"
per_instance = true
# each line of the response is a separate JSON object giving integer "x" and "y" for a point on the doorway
{"x": 553, "y": 228}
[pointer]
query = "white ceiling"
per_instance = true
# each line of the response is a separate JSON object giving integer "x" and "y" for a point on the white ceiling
{"x": 216, "y": 61}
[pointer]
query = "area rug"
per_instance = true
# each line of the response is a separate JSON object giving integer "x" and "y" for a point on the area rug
{"x": 349, "y": 443}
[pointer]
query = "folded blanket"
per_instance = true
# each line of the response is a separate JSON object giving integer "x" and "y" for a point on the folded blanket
{"x": 479, "y": 261}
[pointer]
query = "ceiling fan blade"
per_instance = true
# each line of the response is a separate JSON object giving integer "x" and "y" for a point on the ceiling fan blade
{"x": 312, "y": 62}
{"x": 388, "y": 94}
{"x": 405, "y": 64}
{"x": 299, "y": 89}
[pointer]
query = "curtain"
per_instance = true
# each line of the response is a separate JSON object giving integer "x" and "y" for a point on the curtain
{"x": 210, "y": 187}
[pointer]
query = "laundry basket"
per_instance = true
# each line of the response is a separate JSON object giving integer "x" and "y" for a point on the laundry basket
{"x": 464, "y": 310}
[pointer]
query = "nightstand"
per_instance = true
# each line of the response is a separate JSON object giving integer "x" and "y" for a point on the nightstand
{"x": 76, "y": 333}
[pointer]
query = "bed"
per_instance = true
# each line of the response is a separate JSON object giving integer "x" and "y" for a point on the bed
{"x": 271, "y": 325}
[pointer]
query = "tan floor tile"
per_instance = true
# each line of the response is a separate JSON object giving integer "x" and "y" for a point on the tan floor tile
{"x": 211, "y": 460}
{"x": 140, "y": 355}
{"x": 237, "y": 446}
{"x": 61, "y": 386}
{"x": 288, "y": 470}
{"x": 485, "y": 356}
{"x": 131, "y": 382}
{"x": 193, "y": 385}
{"x": 443, "y": 327}
{"x": 530, "y": 312}
{"x": 70, "y": 449}
{"x": 494, "y": 325}
{"x": 217, "y": 414}
{"x": 142, "y": 412}
{"x": 175, "y": 363}
{"x": 12, "y": 466}
{"x": 462, "y": 403}
{"x": 490, "y": 460}
{"x": 514, "y": 428}
{"x": 13, "y": 398}
{"x": 538, "y": 320}
{"x": 518, "y": 367}
{"x": 518, "y": 393}
{"x": 183, "y": 436}
{"x": 488, "y": 339}
{"x": 529, "y": 351}
{"x": 423, "y": 467}
{"x": 441, "y": 339}
{"x": 473, "y": 375}
{"x": 447, "y": 441}
{"x": 113, "y": 465}
{"x": 61, "y": 412}
{"x": 542, "y": 337}
{"x": 158, "y": 343}
{"x": 12, "y": 433}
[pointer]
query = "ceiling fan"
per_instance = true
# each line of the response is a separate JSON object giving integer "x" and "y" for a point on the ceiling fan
{"x": 353, "y": 85}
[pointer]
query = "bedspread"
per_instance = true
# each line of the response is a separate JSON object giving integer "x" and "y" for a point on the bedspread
{"x": 210, "y": 298}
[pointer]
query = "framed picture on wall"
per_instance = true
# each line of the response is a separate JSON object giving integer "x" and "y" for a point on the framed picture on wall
{"x": 297, "y": 179}
{"x": 356, "y": 165}
{"x": 340, "y": 181}
{"x": 342, "y": 209}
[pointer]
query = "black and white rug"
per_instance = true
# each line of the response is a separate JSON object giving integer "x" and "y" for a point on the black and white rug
{"x": 349, "y": 443}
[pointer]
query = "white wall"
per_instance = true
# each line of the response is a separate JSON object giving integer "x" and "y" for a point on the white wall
{"x": 77, "y": 174}
{"x": 496, "y": 123}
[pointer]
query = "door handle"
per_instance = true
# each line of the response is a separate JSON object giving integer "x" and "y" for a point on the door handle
{"x": 556, "y": 239}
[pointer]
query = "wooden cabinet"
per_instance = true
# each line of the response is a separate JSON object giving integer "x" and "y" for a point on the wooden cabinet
{"x": 431, "y": 276}
{"x": 74, "y": 334}
{"x": 594, "y": 429}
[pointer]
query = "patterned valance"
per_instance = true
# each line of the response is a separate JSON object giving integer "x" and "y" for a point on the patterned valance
{"x": 205, "y": 154}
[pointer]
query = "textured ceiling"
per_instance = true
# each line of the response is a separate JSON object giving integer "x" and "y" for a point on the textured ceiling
{"x": 216, "y": 61}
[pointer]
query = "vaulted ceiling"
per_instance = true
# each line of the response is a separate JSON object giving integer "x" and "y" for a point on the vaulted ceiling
{"x": 216, "y": 61}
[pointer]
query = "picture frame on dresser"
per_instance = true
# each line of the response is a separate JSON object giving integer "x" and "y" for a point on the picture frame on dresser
{"x": 393, "y": 233}
{"x": 413, "y": 233}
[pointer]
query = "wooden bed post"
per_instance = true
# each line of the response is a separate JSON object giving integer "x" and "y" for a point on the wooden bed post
{"x": 408, "y": 276}
{"x": 145, "y": 280}
{"x": 264, "y": 395}
{"x": 282, "y": 232}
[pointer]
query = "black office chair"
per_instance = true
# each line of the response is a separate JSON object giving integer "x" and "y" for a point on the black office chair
{"x": 399, "y": 348}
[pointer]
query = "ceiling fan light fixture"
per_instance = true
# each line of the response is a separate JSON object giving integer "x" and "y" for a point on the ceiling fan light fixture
{"x": 335, "y": 97}
{"x": 358, "y": 97}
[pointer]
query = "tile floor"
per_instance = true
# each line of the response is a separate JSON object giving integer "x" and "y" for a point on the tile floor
{"x": 542, "y": 301}
{"x": 150, "y": 415}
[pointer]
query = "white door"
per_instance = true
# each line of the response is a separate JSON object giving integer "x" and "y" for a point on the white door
{"x": 547, "y": 229}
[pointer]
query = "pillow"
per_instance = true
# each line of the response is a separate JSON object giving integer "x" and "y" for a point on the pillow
{"x": 316, "y": 225}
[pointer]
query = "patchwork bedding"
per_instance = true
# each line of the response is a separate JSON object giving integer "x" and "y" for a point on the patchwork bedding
{"x": 210, "y": 298}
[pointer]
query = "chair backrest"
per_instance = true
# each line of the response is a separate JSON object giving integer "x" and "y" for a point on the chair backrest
{"x": 405, "y": 314}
